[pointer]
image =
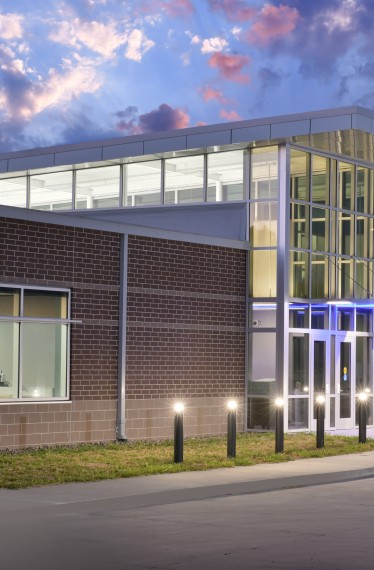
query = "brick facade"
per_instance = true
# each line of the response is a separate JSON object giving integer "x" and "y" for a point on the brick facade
{"x": 185, "y": 333}
{"x": 86, "y": 262}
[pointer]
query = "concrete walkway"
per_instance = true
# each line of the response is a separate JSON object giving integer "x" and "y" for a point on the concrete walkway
{"x": 310, "y": 514}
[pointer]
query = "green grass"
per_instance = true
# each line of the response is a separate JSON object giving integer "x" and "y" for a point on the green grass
{"x": 28, "y": 468}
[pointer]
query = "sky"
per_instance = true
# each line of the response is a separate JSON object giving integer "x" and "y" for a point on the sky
{"x": 79, "y": 70}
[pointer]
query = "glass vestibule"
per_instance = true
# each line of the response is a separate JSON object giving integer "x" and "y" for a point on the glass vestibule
{"x": 332, "y": 357}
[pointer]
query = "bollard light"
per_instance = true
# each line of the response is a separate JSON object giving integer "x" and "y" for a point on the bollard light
{"x": 279, "y": 425}
{"x": 362, "y": 415}
{"x": 320, "y": 415}
{"x": 178, "y": 432}
{"x": 231, "y": 428}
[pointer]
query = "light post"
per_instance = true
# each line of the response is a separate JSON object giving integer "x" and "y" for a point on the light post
{"x": 279, "y": 425}
{"x": 231, "y": 428}
{"x": 362, "y": 416}
{"x": 320, "y": 416}
{"x": 178, "y": 432}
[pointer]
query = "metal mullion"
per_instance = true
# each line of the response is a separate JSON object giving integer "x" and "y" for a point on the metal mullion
{"x": 205, "y": 177}
{"x": 162, "y": 193}
{"x": 121, "y": 184}
{"x": 74, "y": 181}
{"x": 28, "y": 187}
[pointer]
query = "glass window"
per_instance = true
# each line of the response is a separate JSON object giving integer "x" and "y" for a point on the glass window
{"x": 346, "y": 178}
{"x": 299, "y": 316}
{"x": 364, "y": 370}
{"x": 298, "y": 413}
{"x": 262, "y": 368}
{"x": 225, "y": 176}
{"x": 44, "y": 352}
{"x": 51, "y": 191}
{"x": 299, "y": 183}
{"x": 320, "y": 180}
{"x": 299, "y": 365}
{"x": 345, "y": 319}
{"x": 363, "y": 236}
{"x": 363, "y": 277}
{"x": 47, "y": 304}
{"x": 364, "y": 319}
{"x": 264, "y": 173}
{"x": 184, "y": 179}
{"x": 300, "y": 226}
{"x": 97, "y": 187}
{"x": 263, "y": 272}
{"x": 364, "y": 202}
{"x": 299, "y": 274}
{"x": 13, "y": 191}
{"x": 260, "y": 413}
{"x": 319, "y": 317}
{"x": 345, "y": 278}
{"x": 263, "y": 224}
{"x": 346, "y": 234}
{"x": 9, "y": 349}
{"x": 41, "y": 348}
{"x": 142, "y": 183}
{"x": 9, "y": 302}
{"x": 320, "y": 217}
{"x": 319, "y": 277}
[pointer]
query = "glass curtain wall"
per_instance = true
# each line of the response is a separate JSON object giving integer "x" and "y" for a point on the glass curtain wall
{"x": 263, "y": 210}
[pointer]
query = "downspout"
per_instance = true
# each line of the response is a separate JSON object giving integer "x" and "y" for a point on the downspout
{"x": 121, "y": 404}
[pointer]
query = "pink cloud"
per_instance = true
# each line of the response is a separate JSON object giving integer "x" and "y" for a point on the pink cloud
{"x": 11, "y": 26}
{"x": 173, "y": 8}
{"x": 230, "y": 66}
{"x": 178, "y": 8}
{"x": 234, "y": 10}
{"x": 211, "y": 94}
{"x": 272, "y": 23}
{"x": 230, "y": 115}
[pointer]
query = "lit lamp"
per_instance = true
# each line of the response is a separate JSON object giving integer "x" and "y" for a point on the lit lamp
{"x": 231, "y": 428}
{"x": 178, "y": 432}
{"x": 279, "y": 425}
{"x": 362, "y": 415}
{"x": 320, "y": 416}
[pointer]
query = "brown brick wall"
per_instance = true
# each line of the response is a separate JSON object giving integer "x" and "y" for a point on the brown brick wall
{"x": 185, "y": 320}
{"x": 87, "y": 262}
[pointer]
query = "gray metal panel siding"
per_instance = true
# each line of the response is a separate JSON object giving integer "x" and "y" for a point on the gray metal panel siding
{"x": 165, "y": 145}
{"x": 3, "y": 165}
{"x": 327, "y": 124}
{"x": 290, "y": 128}
{"x": 361, "y": 123}
{"x": 262, "y": 132}
{"x": 78, "y": 156}
{"x": 209, "y": 139}
{"x": 41, "y": 161}
{"x": 122, "y": 150}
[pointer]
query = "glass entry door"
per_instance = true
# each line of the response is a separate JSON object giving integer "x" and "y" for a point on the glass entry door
{"x": 319, "y": 375}
{"x": 345, "y": 373}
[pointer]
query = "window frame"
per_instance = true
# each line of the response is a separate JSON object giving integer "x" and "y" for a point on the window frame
{"x": 20, "y": 320}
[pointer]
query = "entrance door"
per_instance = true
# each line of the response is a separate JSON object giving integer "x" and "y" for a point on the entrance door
{"x": 319, "y": 374}
{"x": 345, "y": 393}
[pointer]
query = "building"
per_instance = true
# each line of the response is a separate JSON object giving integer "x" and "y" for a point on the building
{"x": 232, "y": 260}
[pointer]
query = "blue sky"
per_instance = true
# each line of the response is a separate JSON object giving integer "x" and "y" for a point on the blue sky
{"x": 75, "y": 70}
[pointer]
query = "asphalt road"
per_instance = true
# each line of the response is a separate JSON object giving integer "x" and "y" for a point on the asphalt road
{"x": 186, "y": 525}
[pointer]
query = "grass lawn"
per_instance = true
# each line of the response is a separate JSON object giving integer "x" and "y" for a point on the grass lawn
{"x": 28, "y": 468}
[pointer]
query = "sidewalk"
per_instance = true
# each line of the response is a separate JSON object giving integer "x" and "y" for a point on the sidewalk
{"x": 191, "y": 486}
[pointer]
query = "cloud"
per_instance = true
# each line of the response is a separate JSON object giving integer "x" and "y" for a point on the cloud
{"x": 11, "y": 26}
{"x": 230, "y": 115}
{"x": 137, "y": 45}
{"x": 212, "y": 45}
{"x": 172, "y": 8}
{"x": 234, "y": 10}
{"x": 211, "y": 94}
{"x": 164, "y": 118}
{"x": 22, "y": 98}
{"x": 178, "y": 8}
{"x": 230, "y": 66}
{"x": 103, "y": 39}
{"x": 342, "y": 17}
{"x": 272, "y": 23}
